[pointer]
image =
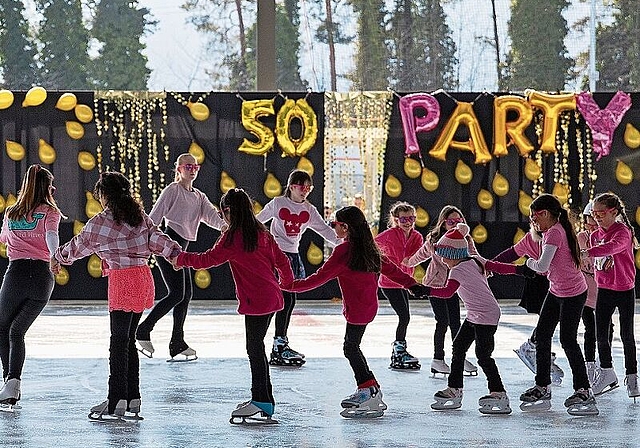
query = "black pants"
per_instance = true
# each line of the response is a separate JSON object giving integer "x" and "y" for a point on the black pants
{"x": 483, "y": 336}
{"x": 26, "y": 289}
{"x": 179, "y": 293}
{"x": 255, "y": 330}
{"x": 566, "y": 311}
{"x": 589, "y": 322}
{"x": 447, "y": 315}
{"x": 608, "y": 301}
{"x": 399, "y": 300}
{"x": 283, "y": 317}
{"x": 352, "y": 339}
{"x": 124, "y": 367}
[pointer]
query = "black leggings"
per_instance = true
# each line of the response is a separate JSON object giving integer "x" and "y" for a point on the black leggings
{"x": 25, "y": 291}
{"x": 351, "y": 348}
{"x": 255, "y": 330}
{"x": 283, "y": 317}
{"x": 124, "y": 367}
{"x": 608, "y": 301}
{"x": 179, "y": 293}
{"x": 447, "y": 315}
{"x": 589, "y": 321}
{"x": 399, "y": 300}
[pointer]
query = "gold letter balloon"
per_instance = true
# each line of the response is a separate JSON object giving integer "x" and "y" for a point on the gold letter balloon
{"x": 514, "y": 129}
{"x": 551, "y": 106}
{"x": 252, "y": 111}
{"x": 301, "y": 110}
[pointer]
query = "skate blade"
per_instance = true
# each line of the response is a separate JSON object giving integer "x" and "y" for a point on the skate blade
{"x": 10, "y": 408}
{"x": 435, "y": 372}
{"x": 241, "y": 420}
{"x": 609, "y": 388}
{"x": 447, "y": 405}
{"x": 145, "y": 352}
{"x": 362, "y": 413}
{"x": 183, "y": 359}
{"x": 133, "y": 417}
{"x": 105, "y": 418}
{"x": 297, "y": 363}
{"x": 535, "y": 406}
{"x": 470, "y": 373}
{"x": 582, "y": 410}
{"x": 408, "y": 367}
{"x": 494, "y": 410}
{"x": 524, "y": 361}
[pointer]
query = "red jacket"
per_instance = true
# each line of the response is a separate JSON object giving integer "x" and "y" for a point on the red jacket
{"x": 393, "y": 243}
{"x": 257, "y": 288}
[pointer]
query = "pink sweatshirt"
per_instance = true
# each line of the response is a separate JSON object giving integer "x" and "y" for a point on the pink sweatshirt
{"x": 437, "y": 272}
{"x": 26, "y": 238}
{"x": 616, "y": 241}
{"x": 396, "y": 246}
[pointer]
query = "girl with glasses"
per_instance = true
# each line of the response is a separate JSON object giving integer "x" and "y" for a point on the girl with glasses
{"x": 30, "y": 231}
{"x": 445, "y": 311}
{"x": 400, "y": 241}
{"x": 182, "y": 207}
{"x": 290, "y": 215}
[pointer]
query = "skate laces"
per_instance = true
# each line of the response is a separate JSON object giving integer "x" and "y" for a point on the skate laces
{"x": 450, "y": 392}
{"x": 538, "y": 391}
{"x": 361, "y": 395}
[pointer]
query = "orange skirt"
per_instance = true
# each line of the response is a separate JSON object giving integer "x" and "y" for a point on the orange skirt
{"x": 131, "y": 289}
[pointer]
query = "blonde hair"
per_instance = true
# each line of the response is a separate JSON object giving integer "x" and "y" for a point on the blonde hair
{"x": 396, "y": 209}
{"x": 180, "y": 158}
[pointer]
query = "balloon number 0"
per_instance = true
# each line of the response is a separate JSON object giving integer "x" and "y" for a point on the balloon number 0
{"x": 299, "y": 109}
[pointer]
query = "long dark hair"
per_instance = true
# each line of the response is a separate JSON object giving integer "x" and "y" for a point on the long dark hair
{"x": 236, "y": 205}
{"x": 365, "y": 255}
{"x": 439, "y": 228}
{"x": 115, "y": 189}
{"x": 611, "y": 200}
{"x": 551, "y": 204}
{"x": 35, "y": 191}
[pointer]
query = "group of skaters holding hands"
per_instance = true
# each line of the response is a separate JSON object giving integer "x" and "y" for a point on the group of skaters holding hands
{"x": 589, "y": 276}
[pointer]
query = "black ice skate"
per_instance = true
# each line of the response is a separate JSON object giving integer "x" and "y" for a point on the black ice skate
{"x": 100, "y": 412}
{"x": 581, "y": 403}
{"x": 401, "y": 359}
{"x": 244, "y": 414}
{"x": 181, "y": 352}
{"x": 494, "y": 403}
{"x": 10, "y": 395}
{"x": 283, "y": 355}
{"x": 537, "y": 398}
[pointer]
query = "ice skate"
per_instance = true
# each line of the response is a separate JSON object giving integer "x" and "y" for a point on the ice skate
{"x": 527, "y": 354}
{"x": 133, "y": 410}
{"x": 365, "y": 402}
{"x": 494, "y": 403}
{"x": 591, "y": 371}
{"x": 244, "y": 414}
{"x": 449, "y": 398}
{"x": 10, "y": 395}
{"x": 537, "y": 398}
{"x": 606, "y": 380}
{"x": 470, "y": 369}
{"x": 181, "y": 352}
{"x": 100, "y": 412}
{"x": 631, "y": 381}
{"x": 581, "y": 403}
{"x": 283, "y": 355}
{"x": 439, "y": 366}
{"x": 401, "y": 359}
{"x": 556, "y": 372}
{"x": 146, "y": 348}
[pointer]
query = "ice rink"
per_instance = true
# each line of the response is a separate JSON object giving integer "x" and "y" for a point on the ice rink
{"x": 188, "y": 404}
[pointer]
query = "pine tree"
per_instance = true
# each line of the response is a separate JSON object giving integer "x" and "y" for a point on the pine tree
{"x": 17, "y": 50}
{"x": 64, "y": 46}
{"x": 118, "y": 26}
{"x": 538, "y": 58}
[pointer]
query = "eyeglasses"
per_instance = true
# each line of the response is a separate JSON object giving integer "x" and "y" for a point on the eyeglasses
{"x": 190, "y": 166}
{"x": 536, "y": 214}
{"x": 406, "y": 219}
{"x": 222, "y": 212}
{"x": 452, "y": 221}
{"x": 334, "y": 224}
{"x": 601, "y": 213}
{"x": 303, "y": 187}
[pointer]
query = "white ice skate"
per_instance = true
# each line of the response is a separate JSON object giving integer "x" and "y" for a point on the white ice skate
{"x": 581, "y": 403}
{"x": 556, "y": 372}
{"x": 186, "y": 355}
{"x": 245, "y": 414}
{"x": 631, "y": 381}
{"x": 365, "y": 402}
{"x": 100, "y": 412}
{"x": 527, "y": 354}
{"x": 494, "y": 403}
{"x": 146, "y": 348}
{"x": 401, "y": 359}
{"x": 133, "y": 410}
{"x": 283, "y": 355}
{"x": 439, "y": 366}
{"x": 537, "y": 398}
{"x": 449, "y": 398}
{"x": 606, "y": 380}
{"x": 470, "y": 369}
{"x": 10, "y": 395}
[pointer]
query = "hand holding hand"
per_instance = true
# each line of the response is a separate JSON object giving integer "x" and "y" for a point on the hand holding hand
{"x": 420, "y": 290}
{"x": 54, "y": 266}
{"x": 525, "y": 271}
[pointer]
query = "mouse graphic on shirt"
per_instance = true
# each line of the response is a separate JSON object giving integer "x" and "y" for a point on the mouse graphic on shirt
{"x": 293, "y": 222}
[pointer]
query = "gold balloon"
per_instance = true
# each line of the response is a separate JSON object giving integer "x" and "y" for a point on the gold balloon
{"x": 485, "y": 199}
{"x": 631, "y": 136}
{"x": 514, "y": 129}
{"x": 465, "y": 116}
{"x": 301, "y": 110}
{"x": 272, "y": 187}
{"x": 15, "y": 151}
{"x": 252, "y": 111}
{"x": 418, "y": 273}
{"x": 429, "y": 180}
{"x": 199, "y": 111}
{"x": 532, "y": 170}
{"x": 197, "y": 152}
{"x": 35, "y": 96}
{"x": 500, "y": 184}
{"x": 463, "y": 173}
{"x": 2, "y": 204}
{"x": 257, "y": 208}
{"x": 637, "y": 215}
{"x": 561, "y": 191}
{"x": 519, "y": 235}
{"x": 624, "y": 174}
{"x": 422, "y": 217}
{"x": 83, "y": 113}
{"x": 92, "y": 207}
{"x": 11, "y": 199}
{"x": 392, "y": 186}
{"x": 226, "y": 182}
{"x": 412, "y": 168}
{"x": 46, "y": 152}
{"x": 86, "y": 161}
{"x": 77, "y": 227}
{"x": 3, "y": 250}
{"x": 524, "y": 201}
{"x": 62, "y": 277}
{"x": 314, "y": 254}
{"x": 94, "y": 266}
{"x": 551, "y": 106}
{"x": 202, "y": 278}
{"x": 66, "y": 102}
{"x": 74, "y": 129}
{"x": 479, "y": 234}
{"x": 6, "y": 99}
{"x": 305, "y": 164}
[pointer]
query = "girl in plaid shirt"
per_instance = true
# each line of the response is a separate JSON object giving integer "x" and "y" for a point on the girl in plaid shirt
{"x": 124, "y": 237}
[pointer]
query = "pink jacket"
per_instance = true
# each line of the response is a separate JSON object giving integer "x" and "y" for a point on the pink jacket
{"x": 396, "y": 246}
{"x": 616, "y": 242}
